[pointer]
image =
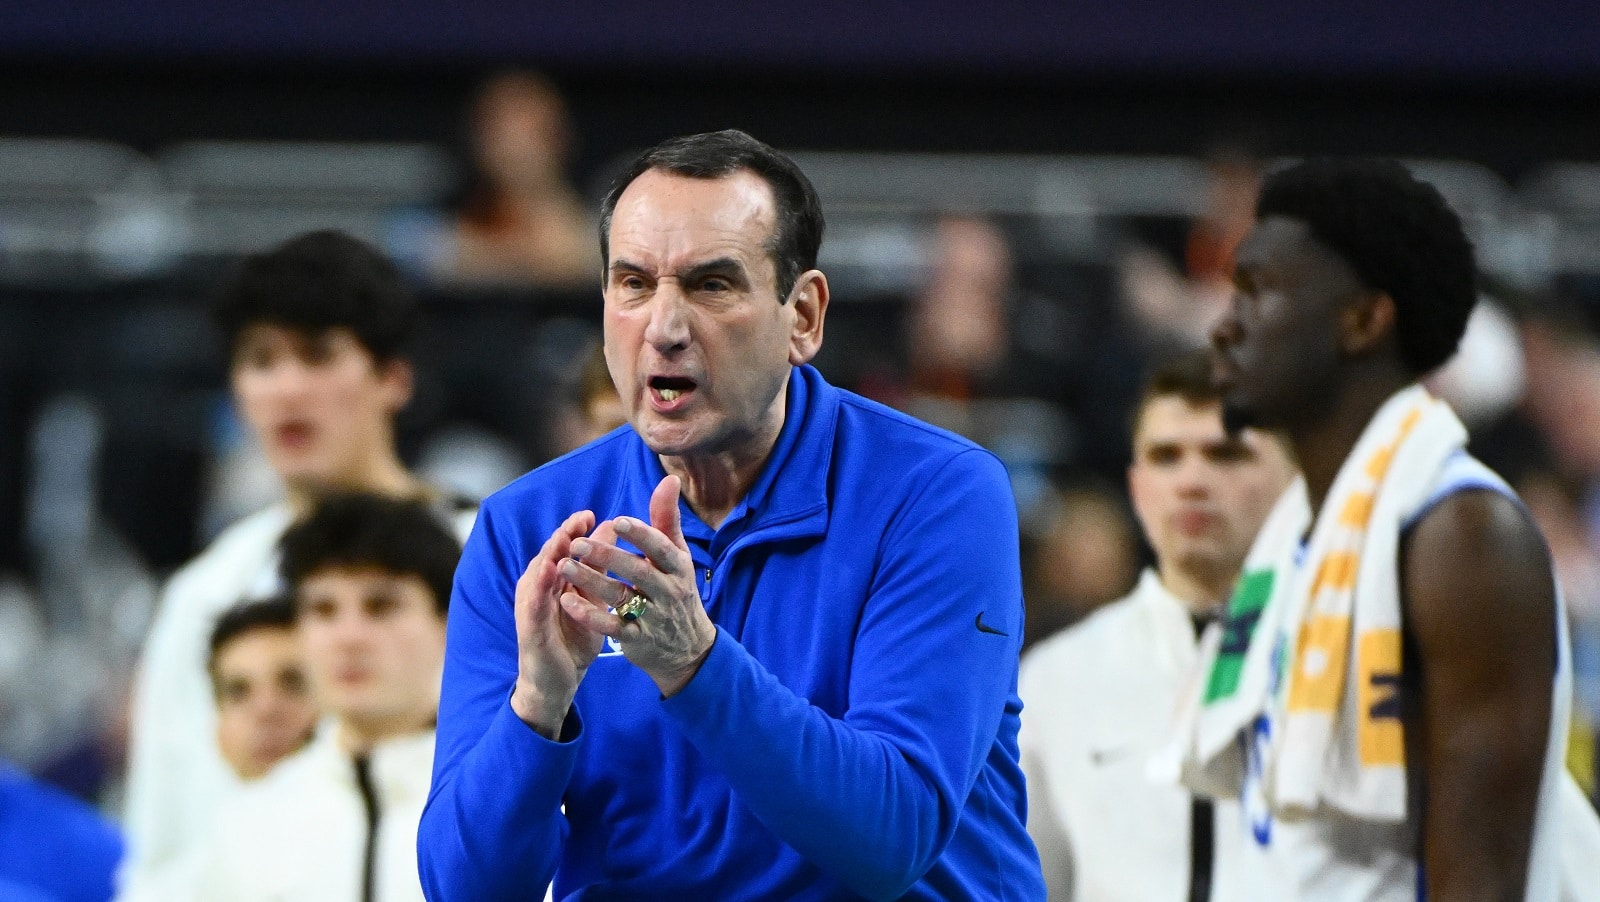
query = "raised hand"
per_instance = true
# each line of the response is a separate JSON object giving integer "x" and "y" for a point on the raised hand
{"x": 673, "y": 635}
{"x": 553, "y": 650}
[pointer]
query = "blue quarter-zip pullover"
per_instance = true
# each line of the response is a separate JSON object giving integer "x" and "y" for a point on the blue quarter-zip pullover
{"x": 852, "y": 733}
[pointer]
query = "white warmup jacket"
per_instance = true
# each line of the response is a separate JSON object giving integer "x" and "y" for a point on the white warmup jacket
{"x": 302, "y": 831}
{"x": 176, "y": 773}
{"x": 1097, "y": 700}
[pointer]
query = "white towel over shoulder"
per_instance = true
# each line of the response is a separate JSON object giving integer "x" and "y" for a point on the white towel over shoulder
{"x": 1331, "y": 687}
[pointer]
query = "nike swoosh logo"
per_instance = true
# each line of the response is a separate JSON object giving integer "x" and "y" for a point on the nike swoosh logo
{"x": 986, "y": 628}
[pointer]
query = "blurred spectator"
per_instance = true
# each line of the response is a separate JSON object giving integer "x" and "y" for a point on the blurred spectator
{"x": 1083, "y": 555}
{"x": 1097, "y": 698}
{"x": 984, "y": 359}
{"x": 371, "y": 582}
{"x": 522, "y": 222}
{"x": 53, "y": 848}
{"x": 264, "y": 712}
{"x": 1485, "y": 378}
{"x": 1234, "y": 180}
{"x": 1175, "y": 308}
{"x": 1562, "y": 359}
{"x": 1554, "y": 504}
{"x": 597, "y": 409}
{"x": 959, "y": 336}
{"x": 316, "y": 331}
{"x": 597, "y": 396}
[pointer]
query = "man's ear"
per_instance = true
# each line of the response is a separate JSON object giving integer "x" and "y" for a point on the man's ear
{"x": 1367, "y": 323}
{"x": 810, "y": 299}
{"x": 398, "y": 379}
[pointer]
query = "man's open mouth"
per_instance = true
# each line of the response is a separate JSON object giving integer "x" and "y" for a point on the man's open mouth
{"x": 670, "y": 388}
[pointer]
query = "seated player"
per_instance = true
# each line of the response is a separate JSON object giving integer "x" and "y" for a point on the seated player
{"x": 338, "y": 820}
{"x": 264, "y": 711}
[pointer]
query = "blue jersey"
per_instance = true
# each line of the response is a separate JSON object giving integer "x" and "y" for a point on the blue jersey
{"x": 852, "y": 733}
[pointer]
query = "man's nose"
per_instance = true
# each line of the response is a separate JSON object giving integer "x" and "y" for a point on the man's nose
{"x": 270, "y": 705}
{"x": 1192, "y": 476}
{"x": 668, "y": 329}
{"x": 350, "y": 630}
{"x": 289, "y": 378}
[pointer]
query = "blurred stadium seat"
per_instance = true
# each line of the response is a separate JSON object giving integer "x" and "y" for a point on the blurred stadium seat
{"x": 240, "y": 197}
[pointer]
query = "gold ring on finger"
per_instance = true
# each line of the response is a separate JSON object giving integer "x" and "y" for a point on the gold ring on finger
{"x": 631, "y": 609}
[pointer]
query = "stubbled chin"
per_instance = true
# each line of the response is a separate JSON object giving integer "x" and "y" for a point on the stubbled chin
{"x": 664, "y": 436}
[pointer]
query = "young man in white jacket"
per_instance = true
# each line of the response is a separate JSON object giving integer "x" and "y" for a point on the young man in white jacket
{"x": 337, "y": 821}
{"x": 316, "y": 331}
{"x": 1097, "y": 698}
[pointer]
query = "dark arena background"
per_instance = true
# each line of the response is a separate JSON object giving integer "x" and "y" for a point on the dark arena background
{"x": 1082, "y": 166}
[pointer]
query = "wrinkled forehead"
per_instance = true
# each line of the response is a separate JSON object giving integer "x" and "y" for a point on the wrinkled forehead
{"x": 669, "y": 220}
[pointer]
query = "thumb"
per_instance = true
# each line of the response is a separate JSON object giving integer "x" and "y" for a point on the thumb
{"x": 664, "y": 515}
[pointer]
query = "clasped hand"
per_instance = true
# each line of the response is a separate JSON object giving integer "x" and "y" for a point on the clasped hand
{"x": 565, "y": 600}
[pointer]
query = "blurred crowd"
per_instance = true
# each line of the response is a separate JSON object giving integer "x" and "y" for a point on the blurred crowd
{"x": 982, "y": 327}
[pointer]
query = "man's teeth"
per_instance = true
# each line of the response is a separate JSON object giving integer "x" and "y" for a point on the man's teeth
{"x": 670, "y": 394}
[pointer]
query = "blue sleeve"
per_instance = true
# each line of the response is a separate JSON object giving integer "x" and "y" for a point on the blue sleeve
{"x": 53, "y": 846}
{"x": 492, "y": 828}
{"x": 873, "y": 799}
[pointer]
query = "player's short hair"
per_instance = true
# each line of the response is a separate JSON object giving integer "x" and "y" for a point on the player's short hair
{"x": 1185, "y": 376}
{"x": 276, "y": 613}
{"x": 357, "y": 531}
{"x": 1398, "y": 235}
{"x": 319, "y": 281}
{"x": 797, "y": 235}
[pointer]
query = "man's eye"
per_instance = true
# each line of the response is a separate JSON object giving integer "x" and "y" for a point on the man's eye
{"x": 318, "y": 351}
{"x": 716, "y": 285}
{"x": 380, "y": 606}
{"x": 1231, "y": 454}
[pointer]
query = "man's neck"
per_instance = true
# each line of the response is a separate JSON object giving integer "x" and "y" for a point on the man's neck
{"x": 713, "y": 484}
{"x": 358, "y": 736}
{"x": 1322, "y": 445}
{"x": 1204, "y": 594}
